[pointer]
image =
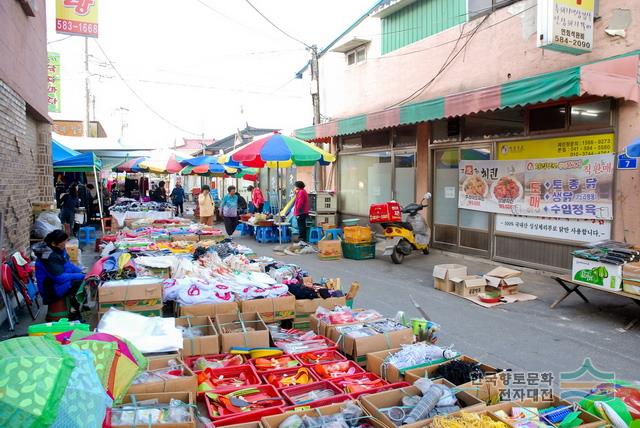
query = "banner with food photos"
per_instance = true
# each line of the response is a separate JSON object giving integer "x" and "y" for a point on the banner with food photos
{"x": 580, "y": 187}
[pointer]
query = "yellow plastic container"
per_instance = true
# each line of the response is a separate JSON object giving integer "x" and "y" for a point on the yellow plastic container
{"x": 357, "y": 235}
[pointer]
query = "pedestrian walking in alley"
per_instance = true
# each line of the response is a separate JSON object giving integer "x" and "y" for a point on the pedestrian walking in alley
{"x": 57, "y": 277}
{"x": 205, "y": 205}
{"x": 229, "y": 210}
{"x": 257, "y": 199}
{"x": 301, "y": 209}
{"x": 177, "y": 198}
{"x": 69, "y": 201}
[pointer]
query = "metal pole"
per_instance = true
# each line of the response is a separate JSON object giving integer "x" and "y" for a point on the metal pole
{"x": 87, "y": 94}
{"x": 95, "y": 177}
{"x": 315, "y": 99}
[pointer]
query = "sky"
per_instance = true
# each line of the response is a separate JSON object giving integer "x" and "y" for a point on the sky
{"x": 206, "y": 66}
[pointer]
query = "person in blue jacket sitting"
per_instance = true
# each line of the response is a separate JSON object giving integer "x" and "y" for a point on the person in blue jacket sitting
{"x": 57, "y": 277}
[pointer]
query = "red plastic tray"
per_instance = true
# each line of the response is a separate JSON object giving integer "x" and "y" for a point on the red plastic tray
{"x": 388, "y": 387}
{"x": 227, "y": 372}
{"x": 189, "y": 361}
{"x": 319, "y": 403}
{"x": 364, "y": 376}
{"x": 332, "y": 354}
{"x": 292, "y": 391}
{"x": 291, "y": 371}
{"x": 253, "y": 360}
{"x": 351, "y": 364}
{"x": 266, "y": 389}
{"x": 249, "y": 417}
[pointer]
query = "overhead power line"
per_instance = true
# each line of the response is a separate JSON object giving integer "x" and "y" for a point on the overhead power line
{"x": 273, "y": 24}
{"x": 151, "y": 109}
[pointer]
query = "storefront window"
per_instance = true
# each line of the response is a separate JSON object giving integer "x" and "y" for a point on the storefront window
{"x": 496, "y": 124}
{"x": 445, "y": 204}
{"x": 591, "y": 115}
{"x": 405, "y": 178}
{"x": 365, "y": 178}
{"x": 548, "y": 118}
{"x": 445, "y": 130}
{"x": 375, "y": 139}
{"x": 351, "y": 143}
{"x": 406, "y": 137}
{"x": 474, "y": 225}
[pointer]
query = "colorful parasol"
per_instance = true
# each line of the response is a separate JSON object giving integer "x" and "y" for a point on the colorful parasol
{"x": 278, "y": 151}
{"x": 205, "y": 165}
{"x": 131, "y": 165}
{"x": 163, "y": 162}
{"x": 249, "y": 174}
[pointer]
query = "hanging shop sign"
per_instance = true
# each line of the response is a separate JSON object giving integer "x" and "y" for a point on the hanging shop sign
{"x": 53, "y": 82}
{"x": 561, "y": 147}
{"x": 77, "y": 17}
{"x": 554, "y": 228}
{"x": 566, "y": 25}
{"x": 574, "y": 187}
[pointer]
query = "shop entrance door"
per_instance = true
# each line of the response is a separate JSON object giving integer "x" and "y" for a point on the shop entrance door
{"x": 457, "y": 229}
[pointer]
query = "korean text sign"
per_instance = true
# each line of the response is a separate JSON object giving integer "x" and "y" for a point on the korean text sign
{"x": 77, "y": 17}
{"x": 53, "y": 82}
{"x": 577, "y": 187}
{"x": 566, "y": 25}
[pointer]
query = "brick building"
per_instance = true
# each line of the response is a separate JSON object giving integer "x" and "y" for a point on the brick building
{"x": 26, "y": 173}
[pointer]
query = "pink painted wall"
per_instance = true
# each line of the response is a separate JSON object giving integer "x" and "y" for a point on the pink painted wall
{"x": 23, "y": 53}
{"x": 498, "y": 49}
{"x": 626, "y": 224}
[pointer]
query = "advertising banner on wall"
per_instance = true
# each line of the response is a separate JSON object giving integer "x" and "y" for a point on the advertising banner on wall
{"x": 554, "y": 228}
{"x": 53, "y": 82}
{"x": 77, "y": 17}
{"x": 566, "y": 25}
{"x": 574, "y": 187}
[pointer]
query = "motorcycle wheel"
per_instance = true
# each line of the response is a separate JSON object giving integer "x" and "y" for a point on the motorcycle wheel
{"x": 397, "y": 257}
{"x": 425, "y": 251}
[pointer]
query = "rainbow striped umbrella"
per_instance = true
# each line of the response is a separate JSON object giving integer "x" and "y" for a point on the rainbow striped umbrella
{"x": 163, "y": 162}
{"x": 131, "y": 165}
{"x": 205, "y": 165}
{"x": 277, "y": 151}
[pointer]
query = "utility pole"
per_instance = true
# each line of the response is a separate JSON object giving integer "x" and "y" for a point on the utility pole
{"x": 315, "y": 99}
{"x": 123, "y": 122}
{"x": 87, "y": 94}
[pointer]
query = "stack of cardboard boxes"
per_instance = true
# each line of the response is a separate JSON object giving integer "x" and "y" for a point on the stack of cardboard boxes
{"x": 453, "y": 278}
{"x": 140, "y": 295}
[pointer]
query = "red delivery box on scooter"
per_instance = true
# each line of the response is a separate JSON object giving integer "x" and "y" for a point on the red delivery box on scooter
{"x": 388, "y": 212}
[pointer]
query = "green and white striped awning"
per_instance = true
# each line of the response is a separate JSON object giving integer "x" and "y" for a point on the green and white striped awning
{"x": 615, "y": 77}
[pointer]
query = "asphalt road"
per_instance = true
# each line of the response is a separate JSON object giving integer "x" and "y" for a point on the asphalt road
{"x": 525, "y": 336}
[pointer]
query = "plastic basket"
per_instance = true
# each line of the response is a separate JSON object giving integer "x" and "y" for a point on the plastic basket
{"x": 294, "y": 391}
{"x": 357, "y": 235}
{"x": 336, "y": 399}
{"x": 279, "y": 374}
{"x": 359, "y": 251}
{"x": 246, "y": 370}
{"x": 351, "y": 365}
{"x": 328, "y": 356}
{"x": 268, "y": 390}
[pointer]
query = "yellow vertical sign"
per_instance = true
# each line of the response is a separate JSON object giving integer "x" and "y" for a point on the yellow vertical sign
{"x": 77, "y": 17}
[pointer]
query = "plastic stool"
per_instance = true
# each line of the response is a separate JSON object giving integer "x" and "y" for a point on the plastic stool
{"x": 89, "y": 233}
{"x": 266, "y": 207}
{"x": 265, "y": 234}
{"x": 315, "y": 235}
{"x": 283, "y": 234}
{"x": 333, "y": 234}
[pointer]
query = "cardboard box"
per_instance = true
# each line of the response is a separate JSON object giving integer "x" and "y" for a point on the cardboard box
{"x": 373, "y": 402}
{"x": 271, "y": 309}
{"x": 307, "y": 307}
{"x": 470, "y": 285}
{"x": 207, "y": 344}
{"x": 588, "y": 420}
{"x": 147, "y": 311}
{"x": 187, "y": 383}
{"x": 358, "y": 348}
{"x": 504, "y": 278}
{"x": 631, "y": 278}
{"x": 164, "y": 398}
{"x": 230, "y": 328}
{"x": 390, "y": 372}
{"x": 442, "y": 275}
{"x": 330, "y": 249}
{"x": 276, "y": 420}
{"x": 142, "y": 288}
{"x": 209, "y": 309}
{"x": 592, "y": 272}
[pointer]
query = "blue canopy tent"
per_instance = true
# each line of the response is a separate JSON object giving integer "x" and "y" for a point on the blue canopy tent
{"x": 80, "y": 162}
{"x": 60, "y": 152}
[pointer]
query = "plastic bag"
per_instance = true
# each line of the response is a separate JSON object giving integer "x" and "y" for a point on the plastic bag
{"x": 46, "y": 223}
{"x": 420, "y": 229}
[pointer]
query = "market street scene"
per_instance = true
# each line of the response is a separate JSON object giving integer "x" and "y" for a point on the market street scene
{"x": 305, "y": 214}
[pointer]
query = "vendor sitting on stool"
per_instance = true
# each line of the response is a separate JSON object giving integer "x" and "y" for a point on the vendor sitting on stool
{"x": 57, "y": 277}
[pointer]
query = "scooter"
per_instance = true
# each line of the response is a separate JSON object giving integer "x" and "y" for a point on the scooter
{"x": 403, "y": 237}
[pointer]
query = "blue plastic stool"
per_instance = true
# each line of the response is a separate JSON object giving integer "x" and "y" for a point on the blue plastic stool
{"x": 245, "y": 229}
{"x": 315, "y": 235}
{"x": 283, "y": 234}
{"x": 265, "y": 234}
{"x": 89, "y": 233}
{"x": 266, "y": 207}
{"x": 334, "y": 234}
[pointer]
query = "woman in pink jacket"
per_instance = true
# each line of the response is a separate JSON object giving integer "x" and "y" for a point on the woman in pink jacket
{"x": 301, "y": 209}
{"x": 256, "y": 198}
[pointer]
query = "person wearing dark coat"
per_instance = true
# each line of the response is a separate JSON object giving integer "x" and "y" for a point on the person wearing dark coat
{"x": 57, "y": 277}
